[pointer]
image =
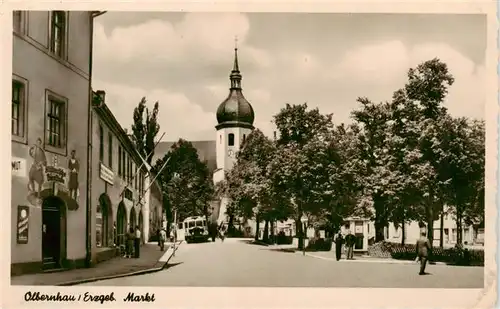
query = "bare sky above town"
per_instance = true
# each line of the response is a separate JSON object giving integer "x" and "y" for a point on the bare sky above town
{"x": 183, "y": 60}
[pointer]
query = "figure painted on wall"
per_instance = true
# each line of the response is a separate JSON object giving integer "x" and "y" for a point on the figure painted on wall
{"x": 74, "y": 169}
{"x": 36, "y": 174}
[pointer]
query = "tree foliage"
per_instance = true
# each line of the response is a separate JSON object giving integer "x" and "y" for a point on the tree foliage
{"x": 185, "y": 180}
{"x": 144, "y": 129}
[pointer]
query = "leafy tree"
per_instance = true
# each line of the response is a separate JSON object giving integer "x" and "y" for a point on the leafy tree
{"x": 372, "y": 119}
{"x": 298, "y": 171}
{"x": 186, "y": 180}
{"x": 145, "y": 128}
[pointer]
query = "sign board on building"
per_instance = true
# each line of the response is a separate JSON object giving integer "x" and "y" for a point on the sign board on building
{"x": 106, "y": 174}
{"x": 322, "y": 234}
{"x": 19, "y": 168}
{"x": 22, "y": 224}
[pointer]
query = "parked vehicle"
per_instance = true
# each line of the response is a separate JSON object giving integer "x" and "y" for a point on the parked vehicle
{"x": 193, "y": 229}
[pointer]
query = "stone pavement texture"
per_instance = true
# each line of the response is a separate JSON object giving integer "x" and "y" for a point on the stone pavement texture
{"x": 149, "y": 261}
{"x": 238, "y": 264}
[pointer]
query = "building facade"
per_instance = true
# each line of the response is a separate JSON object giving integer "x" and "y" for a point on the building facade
{"x": 120, "y": 195}
{"x": 155, "y": 209}
{"x": 50, "y": 104}
{"x": 364, "y": 230}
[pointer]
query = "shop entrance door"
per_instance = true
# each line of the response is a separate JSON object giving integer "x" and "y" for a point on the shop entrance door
{"x": 51, "y": 232}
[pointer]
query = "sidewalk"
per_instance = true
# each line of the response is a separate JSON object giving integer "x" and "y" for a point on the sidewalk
{"x": 330, "y": 255}
{"x": 151, "y": 260}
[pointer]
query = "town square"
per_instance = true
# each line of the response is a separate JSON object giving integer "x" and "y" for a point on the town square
{"x": 196, "y": 149}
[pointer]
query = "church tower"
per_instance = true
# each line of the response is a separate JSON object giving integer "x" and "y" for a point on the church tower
{"x": 235, "y": 117}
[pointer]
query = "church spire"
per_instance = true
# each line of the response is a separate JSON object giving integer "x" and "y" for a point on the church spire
{"x": 235, "y": 76}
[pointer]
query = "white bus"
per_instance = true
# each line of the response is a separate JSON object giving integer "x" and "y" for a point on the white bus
{"x": 193, "y": 229}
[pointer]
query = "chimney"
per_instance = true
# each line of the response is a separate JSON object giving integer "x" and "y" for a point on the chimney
{"x": 102, "y": 95}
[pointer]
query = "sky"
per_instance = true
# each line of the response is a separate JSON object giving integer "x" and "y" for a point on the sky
{"x": 183, "y": 61}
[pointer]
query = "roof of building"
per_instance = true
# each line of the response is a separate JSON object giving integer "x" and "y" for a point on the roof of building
{"x": 235, "y": 110}
{"x": 206, "y": 152}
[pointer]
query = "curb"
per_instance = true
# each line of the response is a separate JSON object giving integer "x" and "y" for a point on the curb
{"x": 130, "y": 274}
{"x": 388, "y": 261}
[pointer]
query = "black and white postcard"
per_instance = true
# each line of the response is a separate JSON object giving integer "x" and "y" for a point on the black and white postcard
{"x": 250, "y": 154}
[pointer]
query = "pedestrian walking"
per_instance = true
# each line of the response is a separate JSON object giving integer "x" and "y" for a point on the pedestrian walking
{"x": 222, "y": 232}
{"x": 213, "y": 231}
{"x": 423, "y": 246}
{"x": 350, "y": 240}
{"x": 137, "y": 242}
{"x": 129, "y": 246}
{"x": 158, "y": 236}
{"x": 162, "y": 238}
{"x": 338, "y": 240}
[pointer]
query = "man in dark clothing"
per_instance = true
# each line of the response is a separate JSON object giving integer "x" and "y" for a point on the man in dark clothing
{"x": 137, "y": 242}
{"x": 350, "y": 240}
{"x": 339, "y": 240}
{"x": 423, "y": 246}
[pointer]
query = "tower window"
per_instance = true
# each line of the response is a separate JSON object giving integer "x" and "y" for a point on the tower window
{"x": 230, "y": 138}
{"x": 244, "y": 137}
{"x": 220, "y": 139}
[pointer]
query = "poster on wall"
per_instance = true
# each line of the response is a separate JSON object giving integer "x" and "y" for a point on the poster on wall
{"x": 22, "y": 224}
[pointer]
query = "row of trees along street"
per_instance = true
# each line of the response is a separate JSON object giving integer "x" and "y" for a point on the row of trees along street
{"x": 398, "y": 161}
{"x": 185, "y": 182}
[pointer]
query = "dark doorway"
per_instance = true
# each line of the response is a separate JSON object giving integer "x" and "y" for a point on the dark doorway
{"x": 132, "y": 218}
{"x": 121, "y": 223}
{"x": 53, "y": 226}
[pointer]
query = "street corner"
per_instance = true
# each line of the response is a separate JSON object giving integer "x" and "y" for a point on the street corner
{"x": 171, "y": 248}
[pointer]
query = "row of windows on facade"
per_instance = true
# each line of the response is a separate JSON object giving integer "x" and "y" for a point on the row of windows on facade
{"x": 58, "y": 30}
{"x": 127, "y": 169}
{"x": 230, "y": 139}
{"x": 55, "y": 124}
{"x": 55, "y": 118}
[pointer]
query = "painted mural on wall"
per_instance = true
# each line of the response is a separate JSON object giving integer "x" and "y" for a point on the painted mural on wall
{"x": 47, "y": 177}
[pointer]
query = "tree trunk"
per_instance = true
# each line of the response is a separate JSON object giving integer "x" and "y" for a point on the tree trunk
{"x": 441, "y": 230}
{"x": 265, "y": 237}
{"x": 380, "y": 220}
{"x": 272, "y": 231}
{"x": 403, "y": 233}
{"x": 459, "y": 228}
{"x": 430, "y": 227}
{"x": 299, "y": 233}
{"x": 257, "y": 227}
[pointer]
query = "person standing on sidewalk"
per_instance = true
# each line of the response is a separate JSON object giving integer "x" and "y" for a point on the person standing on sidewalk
{"x": 129, "y": 245}
{"x": 162, "y": 238}
{"x": 338, "y": 240}
{"x": 137, "y": 242}
{"x": 349, "y": 243}
{"x": 423, "y": 246}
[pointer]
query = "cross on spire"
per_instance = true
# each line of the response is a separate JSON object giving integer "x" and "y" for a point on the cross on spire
{"x": 235, "y": 42}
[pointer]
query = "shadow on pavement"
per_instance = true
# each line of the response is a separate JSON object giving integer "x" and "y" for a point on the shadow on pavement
{"x": 287, "y": 250}
{"x": 170, "y": 265}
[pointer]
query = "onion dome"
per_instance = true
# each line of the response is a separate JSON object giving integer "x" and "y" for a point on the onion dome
{"x": 235, "y": 111}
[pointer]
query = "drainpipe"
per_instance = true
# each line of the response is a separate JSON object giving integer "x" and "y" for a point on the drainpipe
{"x": 88, "y": 204}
